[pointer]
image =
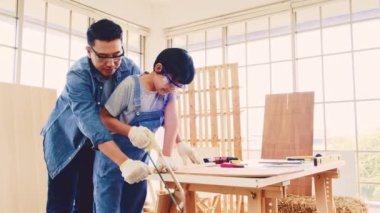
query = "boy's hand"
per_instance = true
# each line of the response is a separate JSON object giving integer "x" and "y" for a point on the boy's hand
{"x": 134, "y": 171}
{"x": 173, "y": 163}
{"x": 185, "y": 151}
{"x": 153, "y": 143}
{"x": 139, "y": 136}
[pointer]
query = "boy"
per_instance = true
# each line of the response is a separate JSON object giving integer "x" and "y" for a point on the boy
{"x": 144, "y": 101}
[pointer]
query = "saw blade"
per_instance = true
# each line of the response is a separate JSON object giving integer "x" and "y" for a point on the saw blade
{"x": 166, "y": 185}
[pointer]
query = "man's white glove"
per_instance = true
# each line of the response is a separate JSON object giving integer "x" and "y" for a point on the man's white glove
{"x": 185, "y": 151}
{"x": 141, "y": 137}
{"x": 173, "y": 163}
{"x": 134, "y": 171}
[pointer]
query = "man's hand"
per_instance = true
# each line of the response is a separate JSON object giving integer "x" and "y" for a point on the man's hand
{"x": 139, "y": 136}
{"x": 173, "y": 163}
{"x": 185, "y": 151}
{"x": 134, "y": 171}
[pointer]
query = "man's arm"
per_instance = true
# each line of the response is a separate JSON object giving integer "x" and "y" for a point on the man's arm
{"x": 85, "y": 110}
{"x": 83, "y": 105}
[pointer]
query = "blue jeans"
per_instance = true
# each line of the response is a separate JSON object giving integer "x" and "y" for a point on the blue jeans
{"x": 71, "y": 191}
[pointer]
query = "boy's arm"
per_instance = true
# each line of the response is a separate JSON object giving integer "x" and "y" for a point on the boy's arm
{"x": 113, "y": 124}
{"x": 171, "y": 127}
{"x": 171, "y": 135}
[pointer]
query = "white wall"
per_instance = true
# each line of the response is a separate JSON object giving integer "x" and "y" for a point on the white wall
{"x": 179, "y": 12}
{"x": 135, "y": 11}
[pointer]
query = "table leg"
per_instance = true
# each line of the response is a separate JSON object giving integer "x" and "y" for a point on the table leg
{"x": 190, "y": 205}
{"x": 255, "y": 202}
{"x": 323, "y": 193}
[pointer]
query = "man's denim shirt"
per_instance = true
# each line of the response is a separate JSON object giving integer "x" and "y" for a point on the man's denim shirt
{"x": 75, "y": 117}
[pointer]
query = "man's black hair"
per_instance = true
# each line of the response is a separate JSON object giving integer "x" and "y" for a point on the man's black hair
{"x": 178, "y": 64}
{"x": 104, "y": 30}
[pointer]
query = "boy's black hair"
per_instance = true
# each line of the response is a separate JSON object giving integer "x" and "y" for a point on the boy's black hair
{"x": 178, "y": 64}
{"x": 104, "y": 30}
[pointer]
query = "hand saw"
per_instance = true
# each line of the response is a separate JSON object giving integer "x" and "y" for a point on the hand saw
{"x": 181, "y": 205}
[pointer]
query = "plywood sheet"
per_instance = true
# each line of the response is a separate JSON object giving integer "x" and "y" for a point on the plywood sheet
{"x": 288, "y": 131}
{"x": 23, "y": 179}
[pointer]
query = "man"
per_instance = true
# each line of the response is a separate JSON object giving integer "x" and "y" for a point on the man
{"x": 74, "y": 128}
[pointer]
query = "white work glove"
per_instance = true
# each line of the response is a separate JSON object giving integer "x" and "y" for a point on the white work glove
{"x": 153, "y": 143}
{"x": 141, "y": 137}
{"x": 173, "y": 163}
{"x": 134, "y": 171}
{"x": 185, "y": 151}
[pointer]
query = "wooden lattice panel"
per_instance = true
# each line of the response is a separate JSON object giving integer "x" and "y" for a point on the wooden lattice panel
{"x": 209, "y": 110}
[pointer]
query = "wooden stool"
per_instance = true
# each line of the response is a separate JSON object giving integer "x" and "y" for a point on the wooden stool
{"x": 307, "y": 204}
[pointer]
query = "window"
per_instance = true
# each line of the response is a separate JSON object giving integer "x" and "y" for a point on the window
{"x": 53, "y": 38}
{"x": 335, "y": 53}
{"x": 134, "y": 47}
{"x": 7, "y": 39}
{"x": 7, "y": 66}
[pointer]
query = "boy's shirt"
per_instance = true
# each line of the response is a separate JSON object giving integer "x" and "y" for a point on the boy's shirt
{"x": 121, "y": 106}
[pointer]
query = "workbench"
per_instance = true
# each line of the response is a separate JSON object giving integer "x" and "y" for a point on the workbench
{"x": 260, "y": 186}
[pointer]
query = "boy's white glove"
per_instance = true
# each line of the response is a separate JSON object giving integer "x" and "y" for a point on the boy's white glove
{"x": 134, "y": 171}
{"x": 153, "y": 143}
{"x": 141, "y": 137}
{"x": 173, "y": 163}
{"x": 185, "y": 151}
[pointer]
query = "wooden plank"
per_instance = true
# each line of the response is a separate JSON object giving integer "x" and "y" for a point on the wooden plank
{"x": 213, "y": 107}
{"x": 255, "y": 202}
{"x": 186, "y": 117}
{"x": 227, "y": 109}
{"x": 193, "y": 130}
{"x": 23, "y": 115}
{"x": 179, "y": 114}
{"x": 222, "y": 123}
{"x": 206, "y": 109}
{"x": 288, "y": 131}
{"x": 320, "y": 192}
{"x": 236, "y": 110}
{"x": 190, "y": 202}
{"x": 220, "y": 117}
{"x": 200, "y": 115}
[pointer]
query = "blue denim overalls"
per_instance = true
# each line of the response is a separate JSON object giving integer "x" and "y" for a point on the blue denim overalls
{"x": 111, "y": 193}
